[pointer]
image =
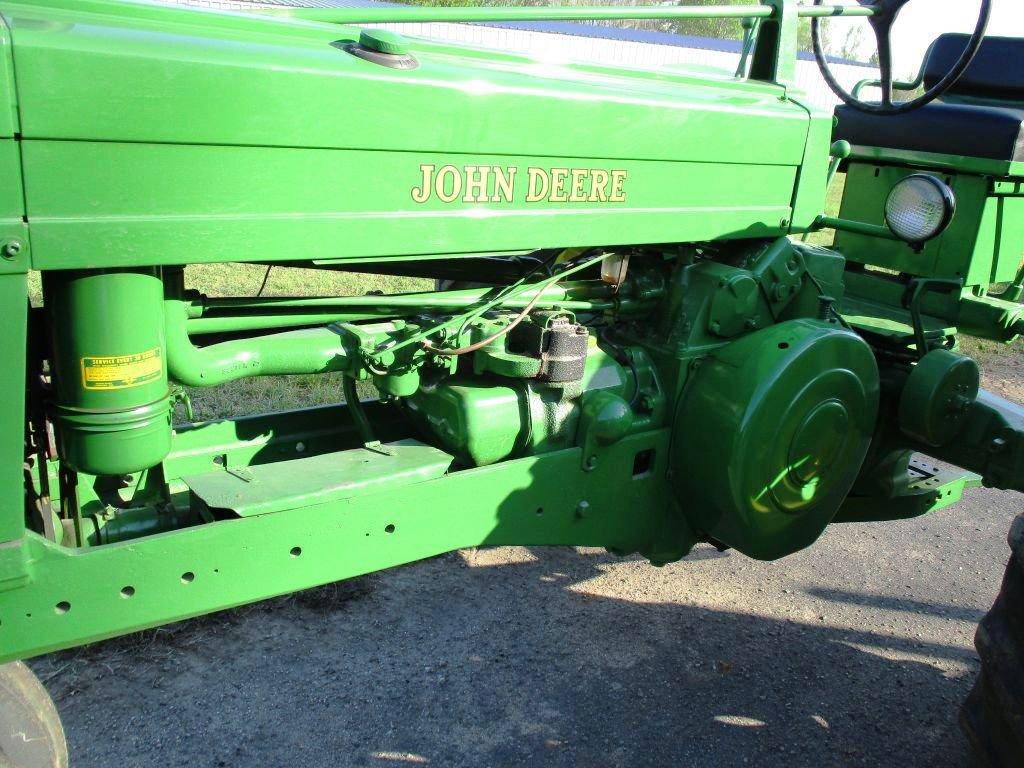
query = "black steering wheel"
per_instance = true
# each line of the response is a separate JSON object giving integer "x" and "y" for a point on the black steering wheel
{"x": 881, "y": 22}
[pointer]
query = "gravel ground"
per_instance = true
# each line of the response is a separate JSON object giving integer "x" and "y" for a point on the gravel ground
{"x": 856, "y": 652}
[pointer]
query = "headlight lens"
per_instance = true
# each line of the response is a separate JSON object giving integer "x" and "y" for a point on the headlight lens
{"x": 919, "y": 208}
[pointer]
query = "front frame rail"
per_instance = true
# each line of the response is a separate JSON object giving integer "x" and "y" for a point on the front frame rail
{"x": 69, "y": 596}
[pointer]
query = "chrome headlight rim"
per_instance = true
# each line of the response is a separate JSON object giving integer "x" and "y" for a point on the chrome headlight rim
{"x": 948, "y": 198}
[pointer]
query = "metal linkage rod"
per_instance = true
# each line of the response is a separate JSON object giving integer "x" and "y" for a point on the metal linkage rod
{"x": 505, "y": 13}
{"x": 255, "y": 322}
{"x": 233, "y": 314}
{"x": 551, "y": 13}
{"x": 553, "y": 295}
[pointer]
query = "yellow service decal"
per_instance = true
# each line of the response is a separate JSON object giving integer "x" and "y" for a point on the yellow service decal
{"x": 122, "y": 371}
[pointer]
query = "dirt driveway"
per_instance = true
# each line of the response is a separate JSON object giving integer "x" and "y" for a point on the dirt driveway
{"x": 855, "y": 652}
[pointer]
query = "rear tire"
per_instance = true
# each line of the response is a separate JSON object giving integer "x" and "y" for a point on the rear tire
{"x": 993, "y": 714}
{"x": 31, "y": 734}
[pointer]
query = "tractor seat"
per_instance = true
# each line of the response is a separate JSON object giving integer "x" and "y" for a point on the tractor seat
{"x": 992, "y": 130}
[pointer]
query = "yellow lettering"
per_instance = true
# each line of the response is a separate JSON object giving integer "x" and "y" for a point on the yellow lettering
{"x": 558, "y": 179}
{"x": 504, "y": 183}
{"x": 421, "y": 193}
{"x": 598, "y": 186}
{"x": 476, "y": 183}
{"x": 444, "y": 195}
{"x": 539, "y": 183}
{"x": 577, "y": 195}
{"x": 617, "y": 195}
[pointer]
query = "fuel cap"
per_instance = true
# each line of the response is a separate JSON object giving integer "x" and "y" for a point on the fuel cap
{"x": 381, "y": 46}
{"x": 384, "y": 41}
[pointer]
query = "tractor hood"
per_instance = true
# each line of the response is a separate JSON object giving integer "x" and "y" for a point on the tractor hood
{"x": 150, "y": 129}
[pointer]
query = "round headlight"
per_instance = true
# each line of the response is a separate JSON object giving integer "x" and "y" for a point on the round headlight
{"x": 919, "y": 208}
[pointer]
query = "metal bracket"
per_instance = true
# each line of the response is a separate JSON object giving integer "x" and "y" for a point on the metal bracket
{"x": 916, "y": 289}
{"x": 775, "y": 51}
{"x": 242, "y": 473}
{"x": 378, "y": 447}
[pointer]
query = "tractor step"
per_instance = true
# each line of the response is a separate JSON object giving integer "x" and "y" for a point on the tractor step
{"x": 261, "y": 489}
{"x": 928, "y": 489}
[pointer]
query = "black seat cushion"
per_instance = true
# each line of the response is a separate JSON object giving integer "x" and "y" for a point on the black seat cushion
{"x": 997, "y": 72}
{"x": 995, "y": 133}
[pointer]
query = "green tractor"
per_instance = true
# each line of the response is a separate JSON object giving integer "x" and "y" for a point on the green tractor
{"x": 632, "y": 345}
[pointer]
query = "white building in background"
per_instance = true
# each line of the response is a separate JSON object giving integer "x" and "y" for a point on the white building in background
{"x": 553, "y": 41}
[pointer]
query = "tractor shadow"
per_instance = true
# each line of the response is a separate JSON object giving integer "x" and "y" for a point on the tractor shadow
{"x": 516, "y": 656}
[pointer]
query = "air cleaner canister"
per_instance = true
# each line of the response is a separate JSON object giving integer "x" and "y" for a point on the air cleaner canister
{"x": 112, "y": 403}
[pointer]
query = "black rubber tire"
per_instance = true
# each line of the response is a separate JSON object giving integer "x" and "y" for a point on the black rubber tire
{"x": 993, "y": 714}
{"x": 31, "y": 734}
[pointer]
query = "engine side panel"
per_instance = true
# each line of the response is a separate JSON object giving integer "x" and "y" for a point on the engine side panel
{"x": 177, "y": 128}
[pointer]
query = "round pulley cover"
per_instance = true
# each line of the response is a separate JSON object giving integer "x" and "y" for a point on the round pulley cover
{"x": 935, "y": 399}
{"x": 771, "y": 435}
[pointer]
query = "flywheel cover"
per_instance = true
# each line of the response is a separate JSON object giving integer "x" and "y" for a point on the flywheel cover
{"x": 772, "y": 433}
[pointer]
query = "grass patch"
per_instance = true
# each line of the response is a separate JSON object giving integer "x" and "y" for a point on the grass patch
{"x": 986, "y": 351}
{"x": 245, "y": 280}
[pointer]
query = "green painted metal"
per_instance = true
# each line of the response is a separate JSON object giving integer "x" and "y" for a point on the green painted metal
{"x": 323, "y": 479}
{"x": 838, "y": 152}
{"x": 792, "y": 408}
{"x": 656, "y": 364}
{"x": 990, "y": 442}
{"x": 940, "y": 162}
{"x": 110, "y": 369}
{"x": 220, "y": 209}
{"x": 15, "y": 254}
{"x": 937, "y": 396}
{"x": 110, "y": 525}
{"x": 552, "y": 296}
{"x": 227, "y": 315}
{"x": 875, "y": 231}
{"x": 813, "y": 181}
{"x": 774, "y": 56}
{"x": 14, "y": 299}
{"x": 982, "y": 245}
{"x": 384, "y": 41}
{"x": 309, "y": 350}
{"x": 115, "y": 176}
{"x": 483, "y": 420}
{"x": 204, "y": 568}
{"x": 929, "y": 489}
